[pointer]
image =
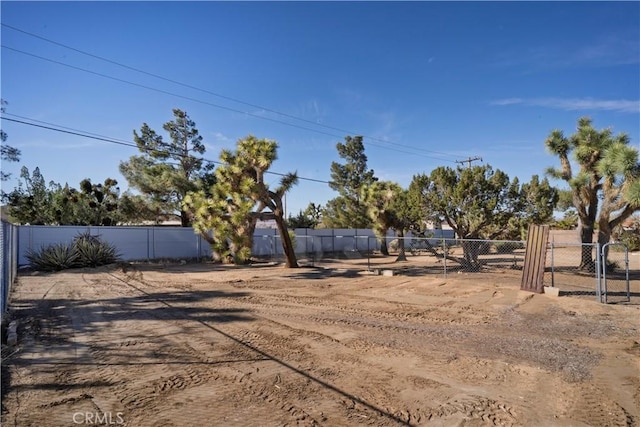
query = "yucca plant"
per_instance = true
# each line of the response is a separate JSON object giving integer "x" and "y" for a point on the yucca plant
{"x": 54, "y": 257}
{"x": 93, "y": 252}
{"x": 85, "y": 251}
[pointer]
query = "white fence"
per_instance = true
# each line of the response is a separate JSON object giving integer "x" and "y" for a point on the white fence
{"x": 147, "y": 243}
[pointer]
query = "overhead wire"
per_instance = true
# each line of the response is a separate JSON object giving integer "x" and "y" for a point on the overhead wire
{"x": 209, "y": 103}
{"x": 214, "y": 94}
{"x": 84, "y": 134}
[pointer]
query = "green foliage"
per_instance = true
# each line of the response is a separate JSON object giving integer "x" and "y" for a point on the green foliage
{"x": 629, "y": 236}
{"x": 631, "y": 239}
{"x": 476, "y": 202}
{"x": 314, "y": 213}
{"x": 239, "y": 198}
{"x": 536, "y": 203}
{"x": 568, "y": 222}
{"x": 348, "y": 179}
{"x": 384, "y": 200}
{"x": 605, "y": 190}
{"x": 53, "y": 257}
{"x": 302, "y": 220}
{"x": 93, "y": 252}
{"x": 480, "y": 203}
{"x": 85, "y": 251}
{"x": 7, "y": 153}
{"x": 33, "y": 202}
{"x": 166, "y": 171}
{"x": 565, "y": 200}
{"x": 92, "y": 204}
{"x": 389, "y": 207}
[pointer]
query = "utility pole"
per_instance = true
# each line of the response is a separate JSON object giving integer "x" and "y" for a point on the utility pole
{"x": 469, "y": 160}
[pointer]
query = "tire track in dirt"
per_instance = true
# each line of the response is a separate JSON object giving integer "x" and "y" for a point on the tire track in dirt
{"x": 144, "y": 395}
{"x": 399, "y": 311}
{"x": 257, "y": 387}
{"x": 407, "y": 320}
{"x": 279, "y": 306}
{"x": 412, "y": 323}
{"x": 489, "y": 411}
{"x": 595, "y": 408}
{"x": 281, "y": 369}
{"x": 550, "y": 353}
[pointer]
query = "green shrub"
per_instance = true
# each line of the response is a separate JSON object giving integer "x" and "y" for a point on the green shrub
{"x": 631, "y": 240}
{"x": 85, "y": 251}
{"x": 53, "y": 257}
{"x": 93, "y": 252}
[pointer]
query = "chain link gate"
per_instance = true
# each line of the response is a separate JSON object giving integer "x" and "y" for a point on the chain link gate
{"x": 614, "y": 286}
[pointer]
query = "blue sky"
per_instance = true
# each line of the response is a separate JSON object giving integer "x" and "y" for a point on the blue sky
{"x": 426, "y": 83}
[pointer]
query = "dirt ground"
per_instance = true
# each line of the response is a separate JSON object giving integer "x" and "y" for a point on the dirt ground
{"x": 204, "y": 345}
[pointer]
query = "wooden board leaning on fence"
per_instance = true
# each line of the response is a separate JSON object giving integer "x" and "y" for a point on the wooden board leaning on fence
{"x": 534, "y": 259}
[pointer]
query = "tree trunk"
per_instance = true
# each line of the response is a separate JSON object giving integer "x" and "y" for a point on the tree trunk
{"x": 287, "y": 245}
{"x": 402, "y": 256}
{"x": 216, "y": 256}
{"x": 184, "y": 219}
{"x": 586, "y": 237}
{"x": 384, "y": 249}
{"x": 381, "y": 235}
{"x": 471, "y": 252}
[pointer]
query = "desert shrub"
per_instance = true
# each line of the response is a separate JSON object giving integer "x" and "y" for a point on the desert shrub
{"x": 93, "y": 252}
{"x": 53, "y": 257}
{"x": 630, "y": 239}
{"x": 85, "y": 251}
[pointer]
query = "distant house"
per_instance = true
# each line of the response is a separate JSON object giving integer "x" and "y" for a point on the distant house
{"x": 271, "y": 223}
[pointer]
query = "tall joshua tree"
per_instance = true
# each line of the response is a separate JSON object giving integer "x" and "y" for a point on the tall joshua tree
{"x": 605, "y": 189}
{"x": 241, "y": 196}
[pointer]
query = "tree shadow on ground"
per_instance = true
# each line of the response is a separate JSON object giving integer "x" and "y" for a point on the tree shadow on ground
{"x": 66, "y": 317}
{"x": 52, "y": 324}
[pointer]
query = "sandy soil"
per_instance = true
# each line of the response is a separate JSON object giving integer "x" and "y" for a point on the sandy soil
{"x": 203, "y": 345}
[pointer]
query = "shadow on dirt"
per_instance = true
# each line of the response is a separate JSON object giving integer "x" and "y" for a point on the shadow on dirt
{"x": 52, "y": 324}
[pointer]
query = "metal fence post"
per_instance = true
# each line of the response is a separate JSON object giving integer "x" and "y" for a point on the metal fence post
{"x": 199, "y": 246}
{"x": 603, "y": 264}
{"x": 598, "y": 275}
{"x": 553, "y": 266}
{"x": 368, "y": 254}
{"x": 604, "y": 285}
{"x": 444, "y": 256}
{"x": 626, "y": 267}
{"x": 333, "y": 242}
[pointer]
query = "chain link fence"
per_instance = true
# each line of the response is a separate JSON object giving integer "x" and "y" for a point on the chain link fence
{"x": 575, "y": 269}
{"x": 617, "y": 275}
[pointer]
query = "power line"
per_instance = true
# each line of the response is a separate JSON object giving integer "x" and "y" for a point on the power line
{"x": 208, "y": 103}
{"x": 469, "y": 160}
{"x": 120, "y": 141}
{"x": 70, "y": 131}
{"x": 218, "y": 94}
